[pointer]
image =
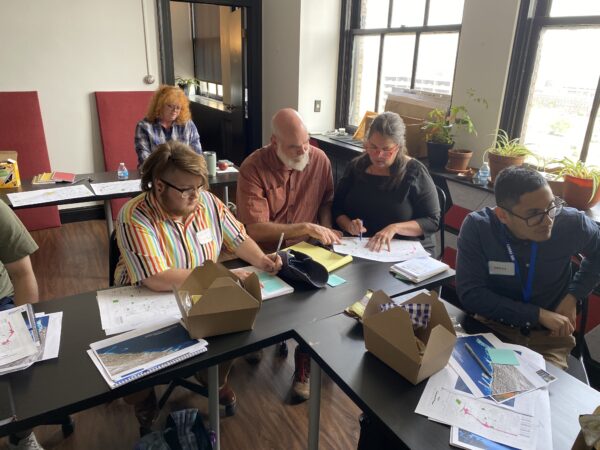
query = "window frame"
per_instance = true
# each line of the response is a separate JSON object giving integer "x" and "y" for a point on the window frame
{"x": 350, "y": 27}
{"x": 533, "y": 18}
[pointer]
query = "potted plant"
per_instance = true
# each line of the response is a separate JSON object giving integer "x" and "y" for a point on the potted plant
{"x": 188, "y": 85}
{"x": 439, "y": 132}
{"x": 581, "y": 184}
{"x": 506, "y": 152}
{"x": 550, "y": 169}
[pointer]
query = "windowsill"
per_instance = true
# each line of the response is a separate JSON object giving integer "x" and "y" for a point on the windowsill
{"x": 210, "y": 102}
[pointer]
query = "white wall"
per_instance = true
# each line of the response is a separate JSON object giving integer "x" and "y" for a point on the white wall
{"x": 66, "y": 50}
{"x": 319, "y": 45}
{"x": 181, "y": 30}
{"x": 280, "y": 58}
{"x": 484, "y": 52}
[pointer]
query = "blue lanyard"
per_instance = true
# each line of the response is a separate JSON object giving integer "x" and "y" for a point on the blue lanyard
{"x": 528, "y": 289}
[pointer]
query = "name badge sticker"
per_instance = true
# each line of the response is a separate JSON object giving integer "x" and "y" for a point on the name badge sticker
{"x": 501, "y": 268}
{"x": 204, "y": 236}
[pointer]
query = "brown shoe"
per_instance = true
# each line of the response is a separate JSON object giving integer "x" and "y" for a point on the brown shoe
{"x": 146, "y": 411}
{"x": 301, "y": 386}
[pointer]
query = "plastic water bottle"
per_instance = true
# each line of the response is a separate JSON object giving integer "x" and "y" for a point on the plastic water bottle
{"x": 122, "y": 172}
{"x": 484, "y": 174}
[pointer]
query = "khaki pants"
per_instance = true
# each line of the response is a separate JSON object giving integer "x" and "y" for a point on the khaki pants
{"x": 554, "y": 349}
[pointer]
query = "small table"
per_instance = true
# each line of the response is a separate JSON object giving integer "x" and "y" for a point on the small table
{"x": 224, "y": 180}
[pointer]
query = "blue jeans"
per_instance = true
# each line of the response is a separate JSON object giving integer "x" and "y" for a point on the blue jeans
{"x": 6, "y": 303}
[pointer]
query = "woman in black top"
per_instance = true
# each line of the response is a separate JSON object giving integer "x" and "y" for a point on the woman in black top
{"x": 384, "y": 192}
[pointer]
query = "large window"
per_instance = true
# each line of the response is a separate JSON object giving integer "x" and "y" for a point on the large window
{"x": 554, "y": 86}
{"x": 389, "y": 45}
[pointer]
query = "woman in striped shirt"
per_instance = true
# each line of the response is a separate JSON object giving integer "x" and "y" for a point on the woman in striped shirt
{"x": 171, "y": 228}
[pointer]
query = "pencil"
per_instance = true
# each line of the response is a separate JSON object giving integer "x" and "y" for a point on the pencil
{"x": 476, "y": 358}
{"x": 280, "y": 242}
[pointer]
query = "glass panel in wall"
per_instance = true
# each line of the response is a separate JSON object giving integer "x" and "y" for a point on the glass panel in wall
{"x": 562, "y": 91}
{"x": 435, "y": 66}
{"x": 445, "y": 12}
{"x": 363, "y": 85}
{"x": 396, "y": 70}
{"x": 374, "y": 13}
{"x": 408, "y": 13}
{"x": 566, "y": 8}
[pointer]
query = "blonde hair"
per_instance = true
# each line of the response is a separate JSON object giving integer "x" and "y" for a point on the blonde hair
{"x": 169, "y": 94}
{"x": 173, "y": 155}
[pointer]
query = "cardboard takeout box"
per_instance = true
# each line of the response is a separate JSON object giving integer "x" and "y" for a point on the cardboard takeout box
{"x": 226, "y": 304}
{"x": 389, "y": 335}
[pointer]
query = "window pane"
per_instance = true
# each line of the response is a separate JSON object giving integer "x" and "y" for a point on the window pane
{"x": 435, "y": 66}
{"x": 561, "y": 94}
{"x": 374, "y": 13}
{"x": 575, "y": 8}
{"x": 408, "y": 13}
{"x": 445, "y": 12}
{"x": 396, "y": 70}
{"x": 364, "y": 77}
{"x": 594, "y": 148}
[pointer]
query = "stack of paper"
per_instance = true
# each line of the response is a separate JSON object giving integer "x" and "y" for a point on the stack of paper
{"x": 53, "y": 177}
{"x": 330, "y": 260}
{"x": 26, "y": 338}
{"x": 135, "y": 354}
{"x": 271, "y": 286}
{"x": 56, "y": 194}
{"x": 509, "y": 409}
{"x": 419, "y": 269}
{"x": 129, "y": 307}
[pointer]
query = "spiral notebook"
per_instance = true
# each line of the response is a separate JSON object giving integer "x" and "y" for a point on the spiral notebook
{"x": 137, "y": 353}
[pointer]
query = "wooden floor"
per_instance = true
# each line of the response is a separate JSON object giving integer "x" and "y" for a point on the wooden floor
{"x": 73, "y": 259}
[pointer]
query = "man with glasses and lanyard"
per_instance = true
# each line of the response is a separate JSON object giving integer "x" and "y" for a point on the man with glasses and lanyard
{"x": 513, "y": 268}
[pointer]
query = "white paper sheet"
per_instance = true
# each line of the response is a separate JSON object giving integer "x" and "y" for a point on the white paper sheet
{"x": 400, "y": 250}
{"x": 56, "y": 194}
{"x": 117, "y": 187}
{"x": 487, "y": 420}
{"x": 129, "y": 307}
{"x": 52, "y": 334}
{"x": 228, "y": 170}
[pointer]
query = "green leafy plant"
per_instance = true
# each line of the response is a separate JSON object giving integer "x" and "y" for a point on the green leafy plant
{"x": 441, "y": 125}
{"x": 578, "y": 169}
{"x": 505, "y": 146}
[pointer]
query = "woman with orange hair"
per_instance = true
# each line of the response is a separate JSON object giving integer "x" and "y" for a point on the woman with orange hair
{"x": 168, "y": 119}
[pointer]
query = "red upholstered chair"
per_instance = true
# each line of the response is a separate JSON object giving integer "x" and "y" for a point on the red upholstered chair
{"x": 118, "y": 113}
{"x": 22, "y": 129}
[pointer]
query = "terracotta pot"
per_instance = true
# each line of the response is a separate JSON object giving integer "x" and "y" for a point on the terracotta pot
{"x": 458, "y": 160}
{"x": 437, "y": 154}
{"x": 577, "y": 193}
{"x": 499, "y": 162}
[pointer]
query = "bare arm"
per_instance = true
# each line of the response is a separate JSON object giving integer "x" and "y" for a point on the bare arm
{"x": 164, "y": 281}
{"x": 324, "y": 216}
{"x": 250, "y": 252}
{"x": 23, "y": 279}
{"x": 269, "y": 231}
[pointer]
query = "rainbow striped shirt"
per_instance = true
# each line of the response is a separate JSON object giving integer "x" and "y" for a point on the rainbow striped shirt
{"x": 151, "y": 242}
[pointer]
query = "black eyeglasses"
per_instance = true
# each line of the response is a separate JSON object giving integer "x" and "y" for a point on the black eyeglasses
{"x": 552, "y": 211}
{"x": 185, "y": 193}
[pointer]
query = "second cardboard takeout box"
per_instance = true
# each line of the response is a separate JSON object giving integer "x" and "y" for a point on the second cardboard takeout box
{"x": 389, "y": 335}
{"x": 226, "y": 305}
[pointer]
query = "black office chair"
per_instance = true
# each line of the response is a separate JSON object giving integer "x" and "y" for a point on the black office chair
{"x": 442, "y": 227}
{"x": 113, "y": 258}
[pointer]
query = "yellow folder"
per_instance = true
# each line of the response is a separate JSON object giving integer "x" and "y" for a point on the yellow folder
{"x": 329, "y": 259}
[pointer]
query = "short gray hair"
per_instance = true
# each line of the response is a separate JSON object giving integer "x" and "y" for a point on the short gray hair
{"x": 390, "y": 125}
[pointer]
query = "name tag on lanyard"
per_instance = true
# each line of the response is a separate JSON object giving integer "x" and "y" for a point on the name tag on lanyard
{"x": 501, "y": 268}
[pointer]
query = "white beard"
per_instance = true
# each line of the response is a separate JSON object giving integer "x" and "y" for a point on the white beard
{"x": 298, "y": 163}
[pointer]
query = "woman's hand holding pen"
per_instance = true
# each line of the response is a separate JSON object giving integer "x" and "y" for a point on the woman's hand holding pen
{"x": 356, "y": 228}
{"x": 271, "y": 263}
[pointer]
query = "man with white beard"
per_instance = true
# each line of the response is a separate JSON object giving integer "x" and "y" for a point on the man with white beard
{"x": 287, "y": 187}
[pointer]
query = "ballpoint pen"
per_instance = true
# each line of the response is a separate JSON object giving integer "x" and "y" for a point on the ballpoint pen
{"x": 476, "y": 358}
{"x": 360, "y": 231}
{"x": 279, "y": 245}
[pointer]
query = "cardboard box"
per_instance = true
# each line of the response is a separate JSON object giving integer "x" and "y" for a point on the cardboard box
{"x": 389, "y": 335}
{"x": 9, "y": 170}
{"x": 227, "y": 304}
{"x": 414, "y": 107}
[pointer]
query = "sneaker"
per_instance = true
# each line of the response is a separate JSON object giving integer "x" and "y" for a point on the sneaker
{"x": 29, "y": 442}
{"x": 254, "y": 357}
{"x": 301, "y": 386}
